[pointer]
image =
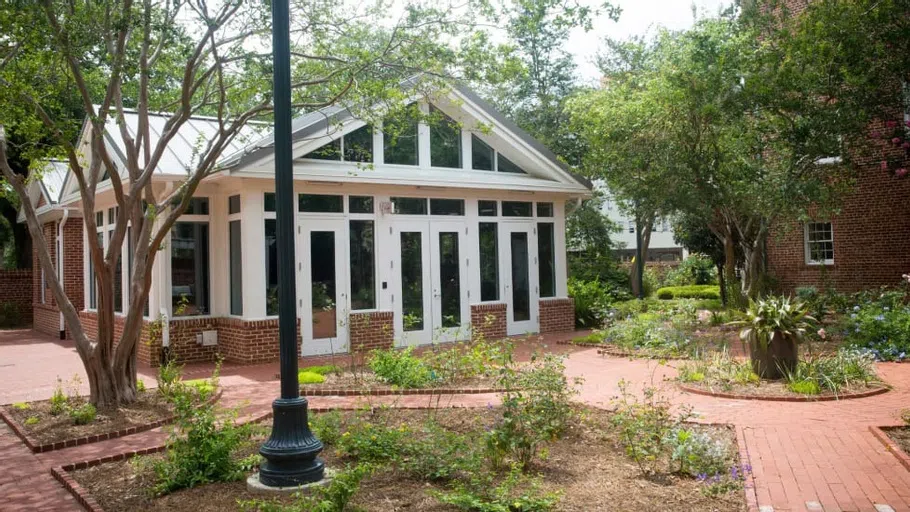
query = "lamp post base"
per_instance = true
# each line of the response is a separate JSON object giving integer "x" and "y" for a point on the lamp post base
{"x": 291, "y": 451}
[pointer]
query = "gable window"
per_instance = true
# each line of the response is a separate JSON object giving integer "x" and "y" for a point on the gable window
{"x": 330, "y": 151}
{"x": 516, "y": 209}
{"x": 409, "y": 205}
{"x": 358, "y": 145}
{"x": 819, "y": 240}
{"x": 503, "y": 164}
{"x": 482, "y": 155}
{"x": 400, "y": 138}
{"x": 319, "y": 203}
{"x": 445, "y": 140}
{"x": 190, "y": 268}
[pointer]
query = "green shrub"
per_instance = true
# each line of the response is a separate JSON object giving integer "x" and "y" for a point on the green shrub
{"x": 643, "y": 426}
{"x": 203, "y": 387}
{"x": 333, "y": 497}
{"x": 596, "y": 337}
{"x": 845, "y": 368}
{"x": 648, "y": 332}
{"x": 83, "y": 414}
{"x": 10, "y": 315}
{"x": 436, "y": 454}
{"x": 401, "y": 368}
{"x": 140, "y": 385}
{"x": 21, "y": 406}
{"x": 708, "y": 291}
{"x": 59, "y": 400}
{"x": 327, "y": 426}
{"x": 720, "y": 370}
{"x": 324, "y": 369}
{"x": 466, "y": 360}
{"x": 773, "y": 327}
{"x": 367, "y": 441}
{"x": 306, "y": 377}
{"x": 696, "y": 269}
{"x": 168, "y": 378}
{"x": 32, "y": 420}
{"x": 879, "y": 325}
{"x": 516, "y": 493}
{"x": 804, "y": 387}
{"x": 593, "y": 300}
{"x": 536, "y": 408}
{"x": 201, "y": 444}
{"x": 698, "y": 452}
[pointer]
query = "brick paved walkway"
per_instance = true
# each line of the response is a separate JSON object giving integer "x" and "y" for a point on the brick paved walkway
{"x": 805, "y": 456}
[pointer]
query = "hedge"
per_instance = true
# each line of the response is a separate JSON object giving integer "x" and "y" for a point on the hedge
{"x": 701, "y": 291}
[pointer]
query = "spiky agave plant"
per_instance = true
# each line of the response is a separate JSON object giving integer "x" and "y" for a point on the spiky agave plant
{"x": 773, "y": 328}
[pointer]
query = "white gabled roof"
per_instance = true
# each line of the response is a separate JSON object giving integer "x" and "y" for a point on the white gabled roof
{"x": 52, "y": 177}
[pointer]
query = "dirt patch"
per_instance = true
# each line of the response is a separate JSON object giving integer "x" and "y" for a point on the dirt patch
{"x": 586, "y": 465}
{"x": 901, "y": 437}
{"x": 49, "y": 428}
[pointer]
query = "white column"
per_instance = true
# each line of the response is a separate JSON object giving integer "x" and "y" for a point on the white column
{"x": 423, "y": 140}
{"x": 252, "y": 234}
{"x": 218, "y": 255}
{"x": 472, "y": 250}
{"x": 559, "y": 220}
{"x": 385, "y": 254}
{"x": 466, "y": 163}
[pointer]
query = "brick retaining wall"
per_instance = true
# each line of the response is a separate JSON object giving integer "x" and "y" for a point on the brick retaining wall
{"x": 372, "y": 330}
{"x": 489, "y": 320}
{"x": 557, "y": 315}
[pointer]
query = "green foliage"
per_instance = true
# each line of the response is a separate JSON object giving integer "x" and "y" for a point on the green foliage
{"x": 804, "y": 387}
{"x": 168, "y": 378}
{"x": 643, "y": 426}
{"x": 708, "y": 291}
{"x": 696, "y": 269}
{"x": 516, "y": 493}
{"x": 204, "y": 388}
{"x": 326, "y": 426}
{"x": 10, "y": 315}
{"x": 465, "y": 360}
{"x": 698, "y": 452}
{"x": 649, "y": 332}
{"x": 332, "y": 497}
{"x": 592, "y": 251}
{"x": 536, "y": 408}
{"x": 592, "y": 301}
{"x": 305, "y": 377}
{"x": 21, "y": 406}
{"x": 83, "y": 414}
{"x": 879, "y": 324}
{"x": 845, "y": 368}
{"x": 322, "y": 369}
{"x": 721, "y": 369}
{"x": 140, "y": 385}
{"x": 773, "y": 320}
{"x": 32, "y": 420}
{"x": 372, "y": 442}
{"x": 59, "y": 400}
{"x": 201, "y": 444}
{"x": 436, "y": 454}
{"x": 401, "y": 368}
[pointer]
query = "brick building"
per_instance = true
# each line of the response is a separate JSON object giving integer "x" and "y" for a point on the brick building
{"x": 456, "y": 228}
{"x": 868, "y": 243}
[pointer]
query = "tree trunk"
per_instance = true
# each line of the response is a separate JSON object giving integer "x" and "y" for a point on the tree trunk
{"x": 734, "y": 295}
{"x": 777, "y": 360}
{"x": 755, "y": 269}
{"x": 722, "y": 281}
{"x": 110, "y": 386}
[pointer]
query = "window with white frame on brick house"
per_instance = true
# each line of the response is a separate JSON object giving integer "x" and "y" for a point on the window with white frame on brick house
{"x": 819, "y": 243}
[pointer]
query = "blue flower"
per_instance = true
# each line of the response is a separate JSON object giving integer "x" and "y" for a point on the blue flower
{"x": 855, "y": 308}
{"x": 880, "y": 318}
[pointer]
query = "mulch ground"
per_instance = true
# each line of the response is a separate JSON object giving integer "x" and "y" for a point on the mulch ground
{"x": 148, "y": 408}
{"x": 901, "y": 436}
{"x": 586, "y": 465}
{"x": 776, "y": 389}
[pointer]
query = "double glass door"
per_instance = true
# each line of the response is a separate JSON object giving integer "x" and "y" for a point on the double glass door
{"x": 518, "y": 265}
{"x": 322, "y": 286}
{"x": 430, "y": 296}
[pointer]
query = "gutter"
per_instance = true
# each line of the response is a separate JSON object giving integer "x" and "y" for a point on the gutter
{"x": 60, "y": 260}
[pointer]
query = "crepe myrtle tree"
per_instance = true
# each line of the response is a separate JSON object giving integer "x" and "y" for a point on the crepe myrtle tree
{"x": 187, "y": 57}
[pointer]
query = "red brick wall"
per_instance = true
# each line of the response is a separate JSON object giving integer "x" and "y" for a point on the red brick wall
{"x": 16, "y": 289}
{"x": 557, "y": 315}
{"x": 372, "y": 330}
{"x": 871, "y": 234}
{"x": 47, "y": 315}
{"x": 250, "y": 341}
{"x": 489, "y": 321}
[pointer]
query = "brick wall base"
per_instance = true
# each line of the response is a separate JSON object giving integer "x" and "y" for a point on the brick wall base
{"x": 489, "y": 321}
{"x": 16, "y": 297}
{"x": 557, "y": 315}
{"x": 372, "y": 330}
{"x": 46, "y": 319}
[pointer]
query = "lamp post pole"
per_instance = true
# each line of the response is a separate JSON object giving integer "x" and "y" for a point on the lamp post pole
{"x": 291, "y": 451}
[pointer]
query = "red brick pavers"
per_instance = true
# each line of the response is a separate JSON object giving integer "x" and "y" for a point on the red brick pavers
{"x": 25, "y": 482}
{"x": 805, "y": 456}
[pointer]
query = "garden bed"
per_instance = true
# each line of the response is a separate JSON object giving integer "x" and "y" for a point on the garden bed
{"x": 779, "y": 391}
{"x": 43, "y": 431}
{"x": 586, "y": 466}
{"x": 367, "y": 383}
{"x": 896, "y": 440}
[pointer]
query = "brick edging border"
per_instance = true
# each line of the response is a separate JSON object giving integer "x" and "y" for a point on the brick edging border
{"x": 607, "y": 349}
{"x": 36, "y": 447}
{"x": 772, "y": 398}
{"x": 388, "y": 392}
{"x": 890, "y": 445}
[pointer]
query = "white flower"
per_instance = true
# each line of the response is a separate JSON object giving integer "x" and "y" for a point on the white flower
{"x": 822, "y": 334}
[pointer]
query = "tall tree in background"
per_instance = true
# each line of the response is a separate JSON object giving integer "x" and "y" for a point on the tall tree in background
{"x": 189, "y": 58}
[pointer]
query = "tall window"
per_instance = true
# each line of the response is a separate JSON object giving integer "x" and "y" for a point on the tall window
{"x": 546, "y": 253}
{"x": 819, "y": 238}
{"x": 190, "y": 268}
{"x": 445, "y": 140}
{"x": 363, "y": 269}
{"x": 400, "y": 137}
{"x": 271, "y": 267}
{"x": 489, "y": 261}
{"x": 482, "y": 155}
{"x": 236, "y": 267}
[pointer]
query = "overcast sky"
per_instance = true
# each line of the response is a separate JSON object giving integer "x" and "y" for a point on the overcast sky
{"x": 638, "y": 17}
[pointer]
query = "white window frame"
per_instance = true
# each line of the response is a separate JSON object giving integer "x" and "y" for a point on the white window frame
{"x": 106, "y": 229}
{"x": 231, "y": 218}
{"x": 200, "y": 219}
{"x": 806, "y": 244}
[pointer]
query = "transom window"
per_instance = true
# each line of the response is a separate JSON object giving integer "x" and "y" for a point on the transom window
{"x": 819, "y": 238}
{"x": 446, "y": 206}
{"x": 409, "y": 205}
{"x": 517, "y": 209}
{"x": 319, "y": 203}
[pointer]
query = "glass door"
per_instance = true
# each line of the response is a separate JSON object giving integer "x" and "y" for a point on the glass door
{"x": 449, "y": 283}
{"x": 323, "y": 284}
{"x": 411, "y": 299}
{"x": 518, "y": 262}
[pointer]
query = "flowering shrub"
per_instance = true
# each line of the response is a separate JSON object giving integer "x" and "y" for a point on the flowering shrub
{"x": 880, "y": 325}
{"x": 896, "y": 134}
{"x": 721, "y": 483}
{"x": 648, "y": 332}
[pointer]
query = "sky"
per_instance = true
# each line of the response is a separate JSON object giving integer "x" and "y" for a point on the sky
{"x": 637, "y": 17}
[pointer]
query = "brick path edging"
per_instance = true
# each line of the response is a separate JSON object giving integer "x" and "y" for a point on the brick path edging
{"x": 775, "y": 398}
{"x": 36, "y": 447}
{"x": 389, "y": 392}
{"x": 607, "y": 349}
{"x": 881, "y": 434}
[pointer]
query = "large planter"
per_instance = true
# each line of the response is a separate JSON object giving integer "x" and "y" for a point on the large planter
{"x": 773, "y": 362}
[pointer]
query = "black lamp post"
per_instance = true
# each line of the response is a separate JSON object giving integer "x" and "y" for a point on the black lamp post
{"x": 291, "y": 451}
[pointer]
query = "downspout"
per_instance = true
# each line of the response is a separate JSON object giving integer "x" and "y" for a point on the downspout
{"x": 163, "y": 311}
{"x": 60, "y": 260}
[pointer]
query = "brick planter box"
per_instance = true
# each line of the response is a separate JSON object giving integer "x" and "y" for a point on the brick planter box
{"x": 881, "y": 433}
{"x": 772, "y": 398}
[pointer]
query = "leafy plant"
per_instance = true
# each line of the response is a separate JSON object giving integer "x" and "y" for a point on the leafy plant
{"x": 59, "y": 400}
{"x": 140, "y": 385}
{"x": 644, "y": 426}
{"x": 536, "y": 408}
{"x": 367, "y": 441}
{"x": 648, "y": 332}
{"x": 327, "y": 426}
{"x": 516, "y": 493}
{"x": 804, "y": 387}
{"x": 720, "y": 369}
{"x": 592, "y": 301}
{"x": 773, "y": 328}
{"x": 401, "y": 368}
{"x": 720, "y": 484}
{"x": 21, "y": 406}
{"x": 168, "y": 378}
{"x": 32, "y": 420}
{"x": 696, "y": 269}
{"x": 322, "y": 369}
{"x": 879, "y": 323}
{"x": 437, "y": 454}
{"x": 707, "y": 291}
{"x": 698, "y": 452}
{"x": 333, "y": 497}
{"x": 305, "y": 377}
{"x": 845, "y": 368}
{"x": 83, "y": 414}
{"x": 466, "y": 360}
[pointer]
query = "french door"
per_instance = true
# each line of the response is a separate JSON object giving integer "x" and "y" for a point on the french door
{"x": 322, "y": 285}
{"x": 430, "y": 299}
{"x": 518, "y": 265}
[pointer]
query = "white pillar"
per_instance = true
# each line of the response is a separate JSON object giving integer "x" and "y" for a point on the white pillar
{"x": 252, "y": 234}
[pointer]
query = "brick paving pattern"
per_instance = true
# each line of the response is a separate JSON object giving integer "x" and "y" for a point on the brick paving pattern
{"x": 805, "y": 456}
